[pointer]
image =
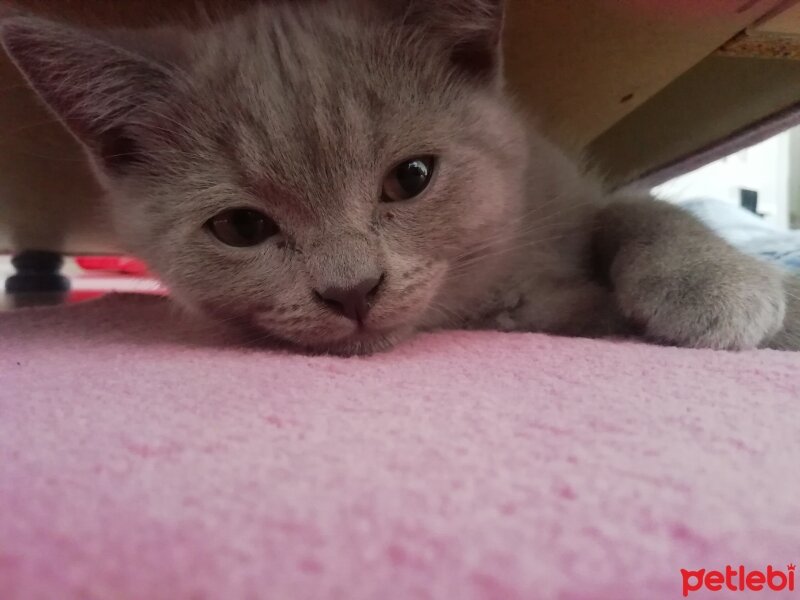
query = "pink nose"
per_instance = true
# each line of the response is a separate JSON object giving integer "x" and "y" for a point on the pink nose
{"x": 353, "y": 302}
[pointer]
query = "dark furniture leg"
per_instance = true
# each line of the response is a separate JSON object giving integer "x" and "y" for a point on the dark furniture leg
{"x": 38, "y": 280}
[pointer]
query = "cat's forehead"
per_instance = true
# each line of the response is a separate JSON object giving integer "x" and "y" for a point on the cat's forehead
{"x": 292, "y": 94}
{"x": 315, "y": 55}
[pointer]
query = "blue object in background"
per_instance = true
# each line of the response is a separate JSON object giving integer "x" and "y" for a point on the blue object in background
{"x": 748, "y": 232}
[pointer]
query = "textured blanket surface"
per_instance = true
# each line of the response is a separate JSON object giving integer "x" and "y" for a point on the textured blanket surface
{"x": 137, "y": 464}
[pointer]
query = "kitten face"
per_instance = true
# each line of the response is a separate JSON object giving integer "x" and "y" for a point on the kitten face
{"x": 255, "y": 169}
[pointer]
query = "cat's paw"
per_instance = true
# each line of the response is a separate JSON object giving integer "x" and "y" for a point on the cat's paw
{"x": 727, "y": 303}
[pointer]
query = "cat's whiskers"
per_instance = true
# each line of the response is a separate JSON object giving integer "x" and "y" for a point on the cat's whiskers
{"x": 510, "y": 242}
{"x": 463, "y": 268}
{"x": 532, "y": 227}
{"x": 449, "y": 316}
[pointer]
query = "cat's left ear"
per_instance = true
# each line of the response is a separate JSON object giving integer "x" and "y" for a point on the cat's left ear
{"x": 101, "y": 92}
{"x": 471, "y": 29}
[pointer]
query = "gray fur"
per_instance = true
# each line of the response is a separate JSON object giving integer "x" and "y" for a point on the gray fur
{"x": 300, "y": 109}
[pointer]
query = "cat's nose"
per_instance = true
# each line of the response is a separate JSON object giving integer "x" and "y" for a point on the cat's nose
{"x": 354, "y": 302}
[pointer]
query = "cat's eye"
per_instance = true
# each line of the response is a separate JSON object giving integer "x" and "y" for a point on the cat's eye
{"x": 408, "y": 179}
{"x": 242, "y": 227}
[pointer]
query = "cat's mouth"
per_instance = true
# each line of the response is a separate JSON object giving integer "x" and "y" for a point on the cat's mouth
{"x": 361, "y": 343}
{"x": 326, "y": 338}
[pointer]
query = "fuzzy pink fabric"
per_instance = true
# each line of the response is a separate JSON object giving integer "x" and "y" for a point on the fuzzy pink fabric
{"x": 135, "y": 464}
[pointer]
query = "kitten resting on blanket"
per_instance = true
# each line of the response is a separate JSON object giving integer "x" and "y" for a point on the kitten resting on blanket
{"x": 336, "y": 175}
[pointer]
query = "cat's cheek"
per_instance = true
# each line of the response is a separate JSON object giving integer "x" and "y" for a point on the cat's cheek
{"x": 200, "y": 322}
{"x": 407, "y": 300}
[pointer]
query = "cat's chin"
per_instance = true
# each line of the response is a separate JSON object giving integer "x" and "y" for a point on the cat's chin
{"x": 238, "y": 329}
{"x": 358, "y": 344}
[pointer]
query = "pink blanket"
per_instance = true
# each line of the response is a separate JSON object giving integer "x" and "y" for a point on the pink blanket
{"x": 137, "y": 465}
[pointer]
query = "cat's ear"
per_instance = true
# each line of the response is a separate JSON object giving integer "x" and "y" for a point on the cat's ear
{"x": 471, "y": 29}
{"x": 96, "y": 88}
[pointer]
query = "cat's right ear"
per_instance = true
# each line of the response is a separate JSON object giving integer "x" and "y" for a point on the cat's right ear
{"x": 97, "y": 89}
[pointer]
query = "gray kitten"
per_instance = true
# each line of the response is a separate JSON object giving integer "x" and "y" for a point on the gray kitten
{"x": 336, "y": 175}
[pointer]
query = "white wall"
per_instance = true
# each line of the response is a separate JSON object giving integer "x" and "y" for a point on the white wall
{"x": 764, "y": 168}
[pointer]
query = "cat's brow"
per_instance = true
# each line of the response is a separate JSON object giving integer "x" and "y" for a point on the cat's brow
{"x": 277, "y": 194}
{"x": 259, "y": 186}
